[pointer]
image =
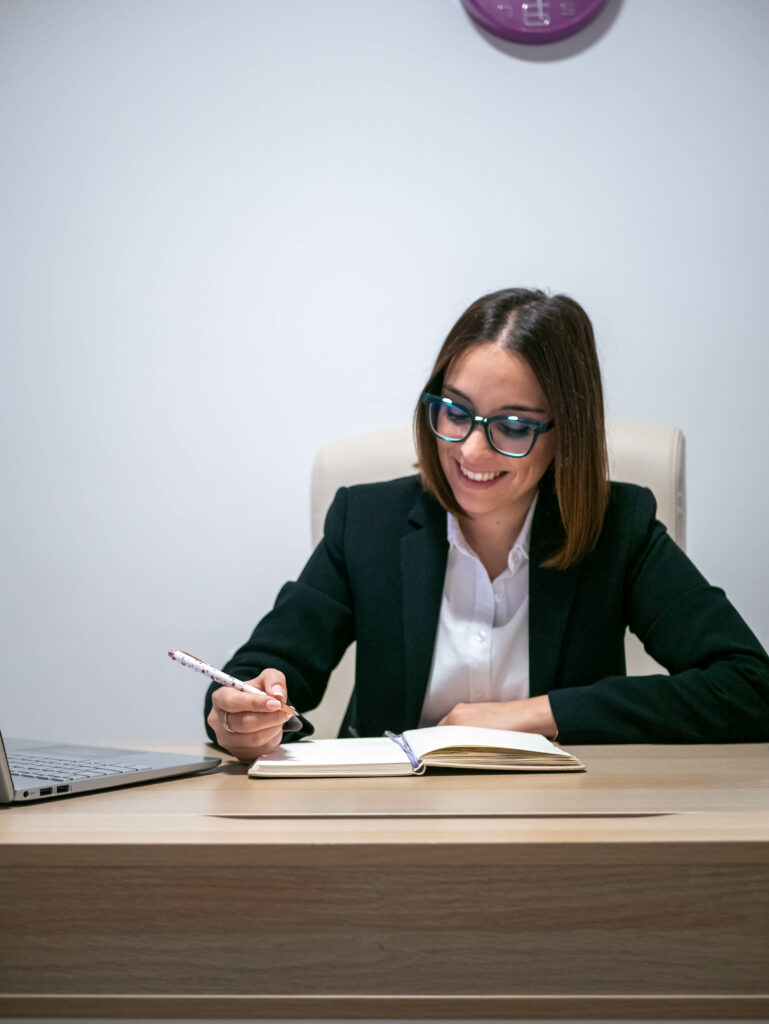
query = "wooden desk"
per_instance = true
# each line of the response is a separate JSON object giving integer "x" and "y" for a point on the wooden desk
{"x": 639, "y": 889}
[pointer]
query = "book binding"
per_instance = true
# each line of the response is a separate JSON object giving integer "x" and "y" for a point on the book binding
{"x": 417, "y": 766}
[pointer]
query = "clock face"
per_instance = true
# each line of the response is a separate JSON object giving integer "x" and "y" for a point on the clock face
{"x": 533, "y": 21}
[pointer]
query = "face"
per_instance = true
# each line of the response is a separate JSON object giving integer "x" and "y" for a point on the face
{"x": 487, "y": 485}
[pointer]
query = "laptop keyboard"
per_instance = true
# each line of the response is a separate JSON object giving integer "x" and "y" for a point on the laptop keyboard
{"x": 61, "y": 769}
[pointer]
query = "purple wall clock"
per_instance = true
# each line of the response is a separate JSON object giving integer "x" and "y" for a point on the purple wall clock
{"x": 533, "y": 21}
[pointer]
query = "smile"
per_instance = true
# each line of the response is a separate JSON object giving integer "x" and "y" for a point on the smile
{"x": 479, "y": 477}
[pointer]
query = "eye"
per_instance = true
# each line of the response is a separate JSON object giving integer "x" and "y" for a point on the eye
{"x": 455, "y": 413}
{"x": 513, "y": 428}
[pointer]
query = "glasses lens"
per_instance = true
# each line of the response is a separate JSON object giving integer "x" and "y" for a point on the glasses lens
{"x": 449, "y": 421}
{"x": 512, "y": 437}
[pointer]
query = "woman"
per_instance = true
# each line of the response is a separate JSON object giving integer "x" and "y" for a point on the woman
{"x": 494, "y": 588}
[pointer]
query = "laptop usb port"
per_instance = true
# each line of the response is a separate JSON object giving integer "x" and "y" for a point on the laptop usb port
{"x": 47, "y": 791}
{"x": 62, "y": 789}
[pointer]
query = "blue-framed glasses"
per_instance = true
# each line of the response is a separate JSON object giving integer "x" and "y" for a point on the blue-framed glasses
{"x": 508, "y": 435}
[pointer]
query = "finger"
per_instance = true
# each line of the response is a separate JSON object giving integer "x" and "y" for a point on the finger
{"x": 253, "y": 721}
{"x": 227, "y": 698}
{"x": 247, "y": 749}
{"x": 272, "y": 681}
{"x": 244, "y": 744}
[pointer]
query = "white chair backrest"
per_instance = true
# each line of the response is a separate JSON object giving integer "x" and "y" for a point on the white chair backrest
{"x": 639, "y": 453}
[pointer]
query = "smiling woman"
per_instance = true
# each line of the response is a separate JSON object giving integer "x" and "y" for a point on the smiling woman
{"x": 492, "y": 488}
{"x": 538, "y": 352}
{"x": 495, "y": 587}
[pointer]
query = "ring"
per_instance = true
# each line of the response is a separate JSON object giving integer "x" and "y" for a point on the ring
{"x": 226, "y": 723}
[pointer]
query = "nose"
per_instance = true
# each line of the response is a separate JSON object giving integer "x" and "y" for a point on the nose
{"x": 477, "y": 446}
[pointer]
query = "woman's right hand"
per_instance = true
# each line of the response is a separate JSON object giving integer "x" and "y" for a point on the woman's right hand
{"x": 247, "y": 724}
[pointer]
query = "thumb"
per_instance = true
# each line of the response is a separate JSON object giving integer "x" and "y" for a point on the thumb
{"x": 273, "y": 682}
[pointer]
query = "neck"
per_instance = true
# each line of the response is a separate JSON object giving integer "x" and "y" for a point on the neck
{"x": 492, "y": 537}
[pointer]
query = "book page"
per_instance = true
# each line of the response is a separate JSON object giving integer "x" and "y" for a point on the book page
{"x": 438, "y": 737}
{"x": 376, "y": 754}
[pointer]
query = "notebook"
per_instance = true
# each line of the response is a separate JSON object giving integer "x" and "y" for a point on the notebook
{"x": 39, "y": 770}
{"x": 415, "y": 750}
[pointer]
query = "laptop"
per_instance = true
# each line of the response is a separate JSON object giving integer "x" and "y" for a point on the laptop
{"x": 39, "y": 770}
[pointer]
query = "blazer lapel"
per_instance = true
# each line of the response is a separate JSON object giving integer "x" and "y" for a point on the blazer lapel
{"x": 551, "y": 595}
{"x": 424, "y": 550}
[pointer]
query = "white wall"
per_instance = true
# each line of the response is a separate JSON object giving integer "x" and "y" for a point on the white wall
{"x": 234, "y": 229}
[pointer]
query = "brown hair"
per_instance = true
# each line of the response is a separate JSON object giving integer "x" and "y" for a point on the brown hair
{"x": 554, "y": 335}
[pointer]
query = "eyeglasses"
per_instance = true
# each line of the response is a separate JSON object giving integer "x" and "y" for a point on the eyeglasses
{"x": 508, "y": 435}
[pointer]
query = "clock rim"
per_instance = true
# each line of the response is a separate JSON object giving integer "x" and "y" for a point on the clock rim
{"x": 533, "y": 36}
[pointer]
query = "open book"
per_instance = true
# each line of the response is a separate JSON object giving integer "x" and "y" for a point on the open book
{"x": 411, "y": 752}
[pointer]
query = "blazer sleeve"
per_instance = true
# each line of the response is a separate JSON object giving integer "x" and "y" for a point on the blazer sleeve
{"x": 309, "y": 628}
{"x": 718, "y": 687}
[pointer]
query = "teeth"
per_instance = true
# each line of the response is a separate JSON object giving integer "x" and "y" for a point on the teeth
{"x": 478, "y": 476}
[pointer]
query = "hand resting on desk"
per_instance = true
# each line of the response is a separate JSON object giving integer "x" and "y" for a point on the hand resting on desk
{"x": 246, "y": 724}
{"x": 532, "y": 714}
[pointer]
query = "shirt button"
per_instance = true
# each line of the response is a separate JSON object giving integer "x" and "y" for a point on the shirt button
{"x": 517, "y": 559}
{"x": 497, "y": 596}
{"x": 480, "y": 695}
{"x": 480, "y": 636}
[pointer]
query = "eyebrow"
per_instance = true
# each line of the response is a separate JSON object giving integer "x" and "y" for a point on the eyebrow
{"x": 513, "y": 408}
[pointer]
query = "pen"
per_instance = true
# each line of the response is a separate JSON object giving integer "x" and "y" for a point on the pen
{"x": 190, "y": 661}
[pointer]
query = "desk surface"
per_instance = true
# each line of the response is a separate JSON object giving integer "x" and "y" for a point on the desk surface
{"x": 629, "y": 794}
{"x": 639, "y": 888}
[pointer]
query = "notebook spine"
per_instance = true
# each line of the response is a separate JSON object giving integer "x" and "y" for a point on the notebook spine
{"x": 416, "y": 765}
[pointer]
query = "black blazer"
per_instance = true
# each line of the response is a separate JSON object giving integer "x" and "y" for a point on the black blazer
{"x": 377, "y": 578}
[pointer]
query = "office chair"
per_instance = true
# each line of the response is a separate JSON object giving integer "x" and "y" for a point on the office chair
{"x": 639, "y": 453}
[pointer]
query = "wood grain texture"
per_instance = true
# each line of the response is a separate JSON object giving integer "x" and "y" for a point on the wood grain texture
{"x": 472, "y": 1007}
{"x": 179, "y": 912}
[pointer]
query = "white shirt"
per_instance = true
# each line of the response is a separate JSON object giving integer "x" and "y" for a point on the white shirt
{"x": 482, "y": 643}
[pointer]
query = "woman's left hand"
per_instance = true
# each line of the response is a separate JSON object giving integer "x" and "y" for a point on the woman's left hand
{"x": 530, "y": 715}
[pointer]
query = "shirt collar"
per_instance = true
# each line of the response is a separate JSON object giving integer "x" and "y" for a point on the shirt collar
{"x": 458, "y": 540}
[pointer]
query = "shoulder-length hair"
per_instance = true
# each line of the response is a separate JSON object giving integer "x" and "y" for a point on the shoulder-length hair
{"x": 554, "y": 335}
